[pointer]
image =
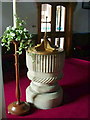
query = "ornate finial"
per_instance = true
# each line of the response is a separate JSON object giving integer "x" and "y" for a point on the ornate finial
{"x": 45, "y": 46}
{"x": 46, "y": 23}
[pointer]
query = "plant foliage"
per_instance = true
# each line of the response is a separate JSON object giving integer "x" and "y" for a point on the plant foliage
{"x": 19, "y": 34}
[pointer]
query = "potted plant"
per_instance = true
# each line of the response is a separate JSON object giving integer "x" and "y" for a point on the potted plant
{"x": 19, "y": 35}
{"x": 21, "y": 39}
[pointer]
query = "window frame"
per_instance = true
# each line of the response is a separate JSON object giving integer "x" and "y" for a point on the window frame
{"x": 67, "y": 34}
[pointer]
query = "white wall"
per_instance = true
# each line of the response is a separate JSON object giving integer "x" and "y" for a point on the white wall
{"x": 0, "y": 64}
{"x": 24, "y": 10}
{"x": 29, "y": 10}
{"x": 2, "y": 102}
{"x": 81, "y": 19}
{"x": 6, "y": 15}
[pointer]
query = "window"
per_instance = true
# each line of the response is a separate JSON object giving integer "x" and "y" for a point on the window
{"x": 56, "y": 19}
{"x": 59, "y": 42}
{"x": 46, "y": 18}
{"x": 60, "y": 18}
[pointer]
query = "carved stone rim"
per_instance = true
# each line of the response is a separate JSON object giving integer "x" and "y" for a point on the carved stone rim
{"x": 60, "y": 50}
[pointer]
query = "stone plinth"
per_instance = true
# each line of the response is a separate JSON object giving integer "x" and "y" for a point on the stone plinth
{"x": 44, "y": 71}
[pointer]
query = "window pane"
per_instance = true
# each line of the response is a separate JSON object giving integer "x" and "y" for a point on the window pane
{"x": 41, "y": 40}
{"x": 44, "y": 27}
{"x": 63, "y": 19}
{"x": 62, "y": 43}
{"x": 59, "y": 42}
{"x": 60, "y": 18}
{"x": 48, "y": 39}
{"x": 45, "y": 12}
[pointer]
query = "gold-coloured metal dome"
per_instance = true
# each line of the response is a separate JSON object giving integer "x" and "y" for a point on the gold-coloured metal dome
{"x": 45, "y": 47}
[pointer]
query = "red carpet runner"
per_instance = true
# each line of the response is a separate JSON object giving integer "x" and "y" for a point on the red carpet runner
{"x": 75, "y": 86}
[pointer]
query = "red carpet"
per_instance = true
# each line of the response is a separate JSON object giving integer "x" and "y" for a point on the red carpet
{"x": 75, "y": 86}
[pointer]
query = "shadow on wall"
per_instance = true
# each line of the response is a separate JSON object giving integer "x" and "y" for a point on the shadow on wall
{"x": 80, "y": 19}
{"x": 81, "y": 46}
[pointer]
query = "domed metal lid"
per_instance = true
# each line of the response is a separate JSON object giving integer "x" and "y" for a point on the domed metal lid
{"x": 45, "y": 46}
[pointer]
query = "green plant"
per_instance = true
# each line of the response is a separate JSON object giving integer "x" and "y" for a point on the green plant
{"x": 19, "y": 34}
